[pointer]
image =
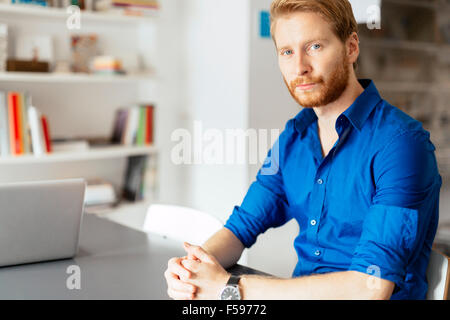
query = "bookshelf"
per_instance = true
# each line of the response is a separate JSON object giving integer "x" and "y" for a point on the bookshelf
{"x": 40, "y": 77}
{"x": 96, "y": 153}
{"x": 24, "y": 10}
{"x": 84, "y": 105}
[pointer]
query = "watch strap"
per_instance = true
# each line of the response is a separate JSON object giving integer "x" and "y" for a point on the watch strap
{"x": 233, "y": 281}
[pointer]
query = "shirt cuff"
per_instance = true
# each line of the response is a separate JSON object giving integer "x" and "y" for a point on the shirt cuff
{"x": 386, "y": 242}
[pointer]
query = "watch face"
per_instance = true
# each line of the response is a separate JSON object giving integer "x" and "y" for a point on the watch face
{"x": 230, "y": 293}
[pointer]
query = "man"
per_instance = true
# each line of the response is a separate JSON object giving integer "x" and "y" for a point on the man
{"x": 358, "y": 175}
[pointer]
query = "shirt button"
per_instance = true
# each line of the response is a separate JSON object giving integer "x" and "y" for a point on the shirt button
{"x": 319, "y": 181}
{"x": 313, "y": 222}
{"x": 317, "y": 253}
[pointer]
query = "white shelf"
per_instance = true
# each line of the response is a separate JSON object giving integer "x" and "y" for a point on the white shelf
{"x": 71, "y": 77}
{"x": 97, "y": 153}
{"x": 61, "y": 13}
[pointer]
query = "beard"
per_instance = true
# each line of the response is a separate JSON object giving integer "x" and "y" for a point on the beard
{"x": 325, "y": 91}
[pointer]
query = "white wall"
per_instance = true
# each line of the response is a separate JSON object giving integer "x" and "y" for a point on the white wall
{"x": 216, "y": 93}
{"x": 169, "y": 96}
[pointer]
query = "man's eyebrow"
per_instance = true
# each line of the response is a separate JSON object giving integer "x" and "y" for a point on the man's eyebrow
{"x": 283, "y": 48}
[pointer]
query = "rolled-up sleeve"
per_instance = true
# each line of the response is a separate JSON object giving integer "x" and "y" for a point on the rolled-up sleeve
{"x": 386, "y": 242}
{"x": 265, "y": 204}
{"x": 405, "y": 203}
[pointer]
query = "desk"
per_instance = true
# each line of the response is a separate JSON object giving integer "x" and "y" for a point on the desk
{"x": 116, "y": 262}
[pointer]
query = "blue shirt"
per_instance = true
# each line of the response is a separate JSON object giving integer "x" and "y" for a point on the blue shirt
{"x": 371, "y": 205}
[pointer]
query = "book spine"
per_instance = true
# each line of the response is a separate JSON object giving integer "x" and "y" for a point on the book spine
{"x": 135, "y": 172}
{"x": 35, "y": 130}
{"x": 149, "y": 134}
{"x": 141, "y": 129}
{"x": 132, "y": 125}
{"x": 46, "y": 131}
{"x": 13, "y": 123}
{"x": 4, "y": 123}
{"x": 19, "y": 121}
{"x": 25, "y": 127}
{"x": 118, "y": 128}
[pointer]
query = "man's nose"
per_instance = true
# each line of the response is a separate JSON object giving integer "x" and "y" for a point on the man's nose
{"x": 302, "y": 65}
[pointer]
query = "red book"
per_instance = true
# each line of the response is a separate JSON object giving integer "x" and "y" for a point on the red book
{"x": 46, "y": 131}
{"x": 14, "y": 133}
{"x": 149, "y": 133}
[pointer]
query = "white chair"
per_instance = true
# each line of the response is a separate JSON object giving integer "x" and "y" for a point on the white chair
{"x": 183, "y": 224}
{"x": 438, "y": 276}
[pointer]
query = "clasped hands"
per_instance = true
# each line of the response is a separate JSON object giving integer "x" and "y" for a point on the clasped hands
{"x": 196, "y": 276}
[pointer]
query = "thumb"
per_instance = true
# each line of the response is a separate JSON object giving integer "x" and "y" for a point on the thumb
{"x": 197, "y": 252}
{"x": 190, "y": 255}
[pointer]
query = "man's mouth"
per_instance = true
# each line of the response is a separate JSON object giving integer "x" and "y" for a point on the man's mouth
{"x": 305, "y": 86}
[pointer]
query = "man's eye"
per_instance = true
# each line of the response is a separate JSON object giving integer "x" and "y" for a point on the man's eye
{"x": 286, "y": 52}
{"x": 316, "y": 46}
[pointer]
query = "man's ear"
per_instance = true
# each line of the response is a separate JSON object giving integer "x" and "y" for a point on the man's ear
{"x": 352, "y": 48}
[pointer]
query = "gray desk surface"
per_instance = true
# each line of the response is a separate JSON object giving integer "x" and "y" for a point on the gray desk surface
{"x": 115, "y": 262}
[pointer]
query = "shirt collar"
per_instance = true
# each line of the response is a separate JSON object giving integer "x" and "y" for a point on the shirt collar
{"x": 357, "y": 113}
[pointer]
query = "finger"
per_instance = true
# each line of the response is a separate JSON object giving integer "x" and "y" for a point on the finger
{"x": 198, "y": 252}
{"x": 181, "y": 286}
{"x": 178, "y": 285}
{"x": 176, "y": 267}
{"x": 191, "y": 265}
{"x": 177, "y": 295}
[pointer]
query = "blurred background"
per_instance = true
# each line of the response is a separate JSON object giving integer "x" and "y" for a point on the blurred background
{"x": 96, "y": 89}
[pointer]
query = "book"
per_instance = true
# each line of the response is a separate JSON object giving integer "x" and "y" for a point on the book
{"x": 134, "y": 178}
{"x": 4, "y": 125}
{"x": 131, "y": 126}
{"x": 149, "y": 133}
{"x": 37, "y": 140}
{"x": 141, "y": 132}
{"x": 119, "y": 126}
{"x": 24, "y": 128}
{"x": 70, "y": 145}
{"x": 14, "y": 134}
{"x": 107, "y": 65}
{"x": 145, "y": 3}
{"x": 46, "y": 131}
{"x": 99, "y": 192}
{"x": 3, "y": 46}
{"x": 19, "y": 121}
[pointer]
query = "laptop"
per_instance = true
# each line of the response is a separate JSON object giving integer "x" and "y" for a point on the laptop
{"x": 40, "y": 220}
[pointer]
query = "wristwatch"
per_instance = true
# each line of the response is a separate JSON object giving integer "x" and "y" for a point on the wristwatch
{"x": 231, "y": 290}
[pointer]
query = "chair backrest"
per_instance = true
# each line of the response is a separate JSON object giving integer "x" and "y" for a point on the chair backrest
{"x": 438, "y": 276}
{"x": 181, "y": 223}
